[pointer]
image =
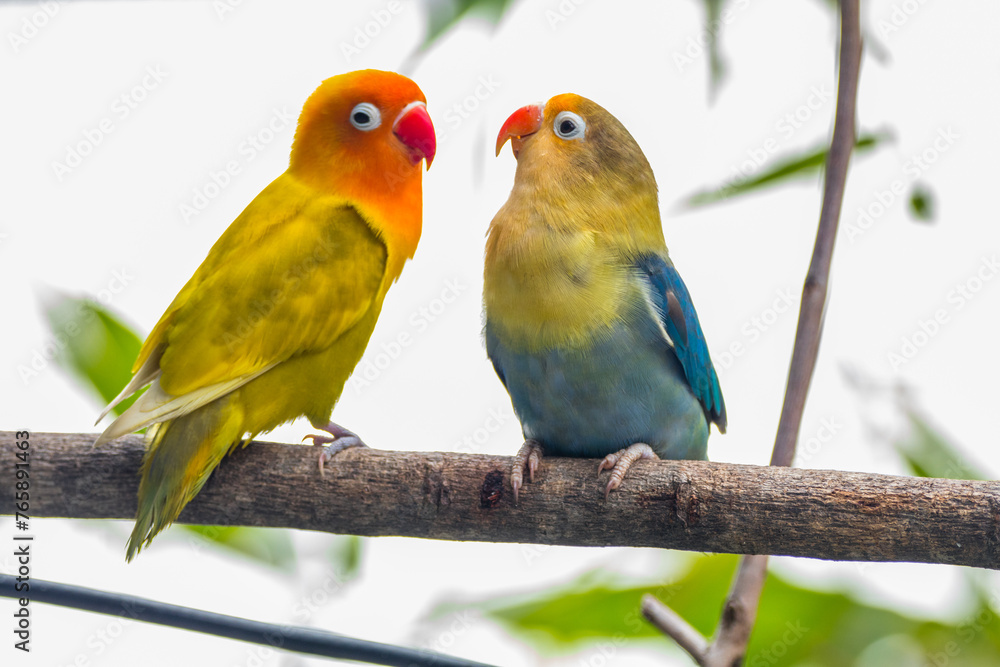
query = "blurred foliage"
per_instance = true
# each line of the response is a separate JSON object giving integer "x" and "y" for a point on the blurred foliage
{"x": 713, "y": 25}
{"x": 269, "y": 546}
{"x": 795, "y": 625}
{"x": 93, "y": 345}
{"x": 717, "y": 16}
{"x": 442, "y": 15}
{"x": 805, "y": 164}
{"x": 346, "y": 554}
{"x": 922, "y": 203}
{"x": 927, "y": 453}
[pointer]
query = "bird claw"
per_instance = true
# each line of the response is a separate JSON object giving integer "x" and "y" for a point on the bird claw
{"x": 619, "y": 463}
{"x": 529, "y": 455}
{"x": 339, "y": 439}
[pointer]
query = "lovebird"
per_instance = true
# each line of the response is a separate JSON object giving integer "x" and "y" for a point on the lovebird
{"x": 587, "y": 322}
{"x": 273, "y": 322}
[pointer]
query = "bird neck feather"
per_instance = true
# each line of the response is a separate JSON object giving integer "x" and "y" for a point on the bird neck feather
{"x": 391, "y": 205}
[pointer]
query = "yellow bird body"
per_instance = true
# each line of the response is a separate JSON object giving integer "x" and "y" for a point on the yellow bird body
{"x": 275, "y": 319}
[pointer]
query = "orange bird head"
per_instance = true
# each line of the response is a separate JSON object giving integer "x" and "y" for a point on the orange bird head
{"x": 362, "y": 137}
{"x": 369, "y": 126}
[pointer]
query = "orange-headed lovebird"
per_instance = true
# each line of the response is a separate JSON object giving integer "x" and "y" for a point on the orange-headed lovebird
{"x": 587, "y": 322}
{"x": 277, "y": 316}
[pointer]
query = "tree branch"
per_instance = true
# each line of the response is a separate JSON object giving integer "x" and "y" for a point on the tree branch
{"x": 689, "y": 505}
{"x": 738, "y": 614}
{"x": 810, "y": 325}
{"x": 671, "y": 623}
{"x": 740, "y": 610}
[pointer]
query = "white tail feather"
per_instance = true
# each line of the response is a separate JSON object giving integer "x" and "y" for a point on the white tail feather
{"x": 146, "y": 374}
{"x": 157, "y": 405}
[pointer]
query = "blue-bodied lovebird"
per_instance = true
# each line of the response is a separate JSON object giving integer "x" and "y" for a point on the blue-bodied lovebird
{"x": 587, "y": 322}
{"x": 275, "y": 319}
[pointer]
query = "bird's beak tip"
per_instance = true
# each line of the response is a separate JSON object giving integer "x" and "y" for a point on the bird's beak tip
{"x": 414, "y": 128}
{"x": 521, "y": 124}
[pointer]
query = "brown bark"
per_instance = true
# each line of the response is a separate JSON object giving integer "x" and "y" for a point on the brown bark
{"x": 689, "y": 505}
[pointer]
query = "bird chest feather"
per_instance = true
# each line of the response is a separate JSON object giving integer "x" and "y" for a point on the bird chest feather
{"x": 548, "y": 287}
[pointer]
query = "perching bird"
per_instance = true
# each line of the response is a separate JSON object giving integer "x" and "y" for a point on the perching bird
{"x": 587, "y": 322}
{"x": 273, "y": 322}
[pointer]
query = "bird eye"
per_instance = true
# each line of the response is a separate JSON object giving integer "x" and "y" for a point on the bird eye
{"x": 569, "y": 126}
{"x": 366, "y": 117}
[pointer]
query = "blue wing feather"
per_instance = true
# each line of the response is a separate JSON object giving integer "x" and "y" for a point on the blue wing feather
{"x": 680, "y": 321}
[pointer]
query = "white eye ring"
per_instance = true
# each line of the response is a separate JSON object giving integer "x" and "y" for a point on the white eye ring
{"x": 568, "y": 125}
{"x": 366, "y": 117}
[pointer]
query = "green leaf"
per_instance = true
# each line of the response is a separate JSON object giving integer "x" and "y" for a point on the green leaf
{"x": 795, "y": 625}
{"x": 266, "y": 545}
{"x": 346, "y": 555}
{"x": 442, "y": 15}
{"x": 927, "y": 453}
{"x": 716, "y": 65}
{"x": 922, "y": 203}
{"x": 94, "y": 345}
{"x": 601, "y": 606}
{"x": 594, "y": 606}
{"x": 803, "y": 165}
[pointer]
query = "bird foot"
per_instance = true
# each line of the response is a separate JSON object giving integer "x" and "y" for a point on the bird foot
{"x": 339, "y": 439}
{"x": 530, "y": 454}
{"x": 619, "y": 463}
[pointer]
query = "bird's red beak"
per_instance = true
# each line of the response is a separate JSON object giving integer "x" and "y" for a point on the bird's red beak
{"x": 414, "y": 128}
{"x": 522, "y": 123}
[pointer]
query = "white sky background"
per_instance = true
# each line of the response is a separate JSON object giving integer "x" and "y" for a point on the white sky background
{"x": 226, "y": 78}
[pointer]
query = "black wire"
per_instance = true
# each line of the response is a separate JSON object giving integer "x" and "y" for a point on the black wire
{"x": 287, "y": 637}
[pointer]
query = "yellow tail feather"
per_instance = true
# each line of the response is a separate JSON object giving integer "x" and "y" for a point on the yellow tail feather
{"x": 180, "y": 456}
